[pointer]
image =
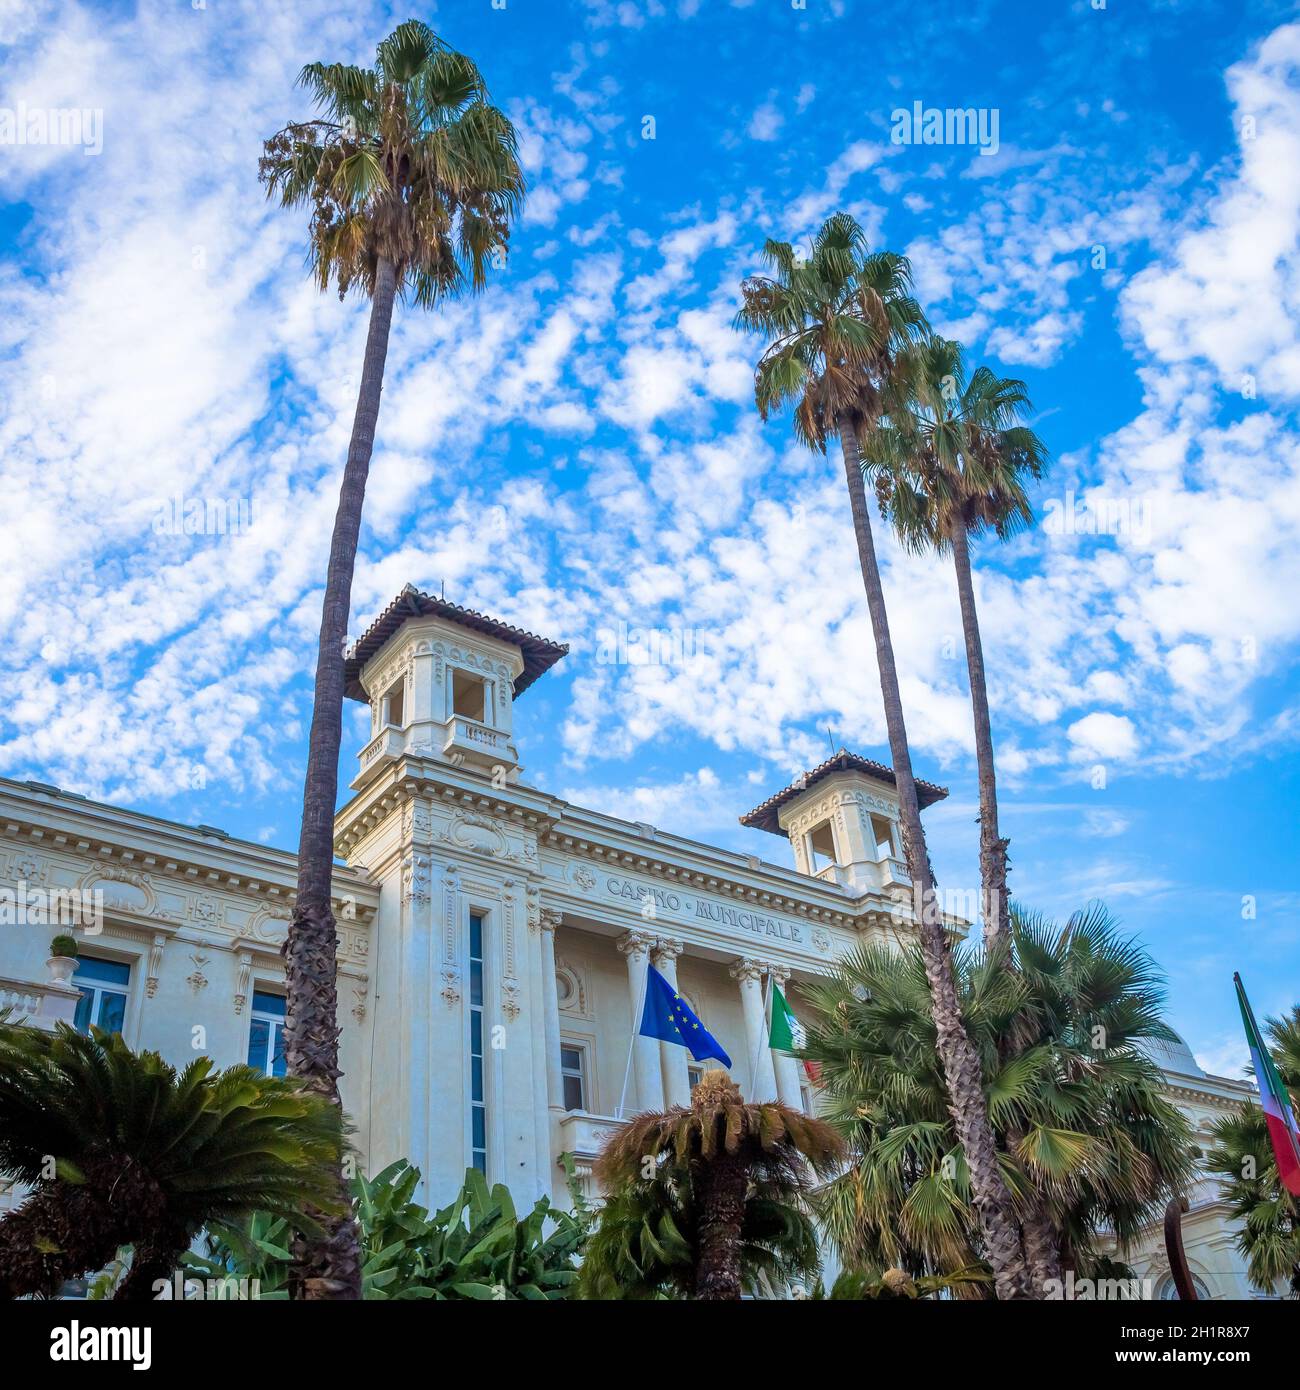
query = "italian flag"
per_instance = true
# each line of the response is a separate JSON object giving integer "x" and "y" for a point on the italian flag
{"x": 786, "y": 1033}
{"x": 1273, "y": 1099}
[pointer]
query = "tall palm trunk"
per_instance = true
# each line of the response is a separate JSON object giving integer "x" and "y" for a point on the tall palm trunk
{"x": 961, "y": 1064}
{"x": 1042, "y": 1244}
{"x": 331, "y": 1267}
{"x": 1041, "y": 1241}
{"x": 724, "y": 1183}
{"x": 993, "y": 849}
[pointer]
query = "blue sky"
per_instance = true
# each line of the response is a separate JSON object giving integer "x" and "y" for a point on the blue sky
{"x": 578, "y": 446}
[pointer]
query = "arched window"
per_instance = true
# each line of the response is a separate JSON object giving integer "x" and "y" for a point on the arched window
{"x": 1166, "y": 1289}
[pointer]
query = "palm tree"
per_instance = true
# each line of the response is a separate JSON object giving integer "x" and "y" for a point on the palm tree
{"x": 645, "y": 1243}
{"x": 705, "y": 1200}
{"x": 412, "y": 178}
{"x": 836, "y": 324}
{"x": 1085, "y": 1134}
{"x": 1242, "y": 1157}
{"x": 951, "y": 464}
{"x": 119, "y": 1149}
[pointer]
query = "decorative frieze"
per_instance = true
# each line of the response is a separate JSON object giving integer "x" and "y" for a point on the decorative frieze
{"x": 155, "y": 964}
{"x": 27, "y": 868}
{"x": 244, "y": 981}
{"x": 477, "y": 833}
{"x": 510, "y": 1006}
{"x": 450, "y": 969}
{"x": 416, "y": 880}
{"x": 360, "y": 991}
{"x": 206, "y": 911}
{"x": 196, "y": 979}
{"x": 510, "y": 990}
{"x": 121, "y": 889}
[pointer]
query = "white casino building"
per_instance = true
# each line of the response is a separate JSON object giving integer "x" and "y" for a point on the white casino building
{"x": 493, "y": 938}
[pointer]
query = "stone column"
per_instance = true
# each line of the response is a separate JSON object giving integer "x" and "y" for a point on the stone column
{"x": 649, "y": 1091}
{"x": 550, "y": 919}
{"x": 677, "y": 1081}
{"x": 748, "y": 974}
{"x": 787, "y": 1069}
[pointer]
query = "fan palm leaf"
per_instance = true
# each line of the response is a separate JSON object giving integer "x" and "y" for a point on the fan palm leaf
{"x": 1084, "y": 1132}
{"x": 708, "y": 1201}
{"x": 118, "y": 1148}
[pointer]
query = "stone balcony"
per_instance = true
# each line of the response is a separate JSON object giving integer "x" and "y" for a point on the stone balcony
{"x": 470, "y": 740}
{"x": 386, "y": 747}
{"x": 458, "y": 740}
{"x": 880, "y": 874}
{"x": 584, "y": 1136}
{"x": 893, "y": 874}
{"x": 39, "y": 1005}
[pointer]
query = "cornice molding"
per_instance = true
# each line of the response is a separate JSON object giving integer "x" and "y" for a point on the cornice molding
{"x": 144, "y": 853}
{"x": 561, "y": 826}
{"x": 1183, "y": 1087}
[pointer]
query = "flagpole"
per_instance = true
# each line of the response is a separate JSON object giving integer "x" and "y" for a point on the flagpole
{"x": 636, "y": 1029}
{"x": 1263, "y": 1081}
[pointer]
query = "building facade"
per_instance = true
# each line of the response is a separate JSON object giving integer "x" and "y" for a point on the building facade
{"x": 494, "y": 939}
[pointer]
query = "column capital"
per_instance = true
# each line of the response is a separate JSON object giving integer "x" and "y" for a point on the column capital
{"x": 550, "y": 918}
{"x": 636, "y": 943}
{"x": 747, "y": 969}
{"x": 667, "y": 948}
{"x": 780, "y": 975}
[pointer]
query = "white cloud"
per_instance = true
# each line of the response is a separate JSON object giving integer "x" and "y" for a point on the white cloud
{"x": 1230, "y": 293}
{"x": 1105, "y": 824}
{"x": 1226, "y": 1056}
{"x": 1104, "y": 735}
{"x": 814, "y": 205}
{"x": 766, "y": 122}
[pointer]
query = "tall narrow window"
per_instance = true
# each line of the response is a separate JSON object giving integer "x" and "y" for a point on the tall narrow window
{"x": 477, "y": 1096}
{"x": 394, "y": 711}
{"x": 266, "y": 1035}
{"x": 574, "y": 1073}
{"x": 103, "y": 986}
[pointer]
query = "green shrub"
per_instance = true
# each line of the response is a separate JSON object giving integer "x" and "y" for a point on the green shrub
{"x": 64, "y": 945}
{"x": 478, "y": 1247}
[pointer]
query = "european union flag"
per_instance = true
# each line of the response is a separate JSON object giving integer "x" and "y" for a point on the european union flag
{"x": 668, "y": 1017}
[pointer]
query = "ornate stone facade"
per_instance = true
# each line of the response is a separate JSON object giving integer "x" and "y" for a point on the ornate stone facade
{"x": 572, "y": 908}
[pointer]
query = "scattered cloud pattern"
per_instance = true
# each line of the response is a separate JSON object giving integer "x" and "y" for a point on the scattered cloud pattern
{"x": 577, "y": 448}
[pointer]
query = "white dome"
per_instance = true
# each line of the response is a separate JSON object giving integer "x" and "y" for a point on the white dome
{"x": 1173, "y": 1056}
